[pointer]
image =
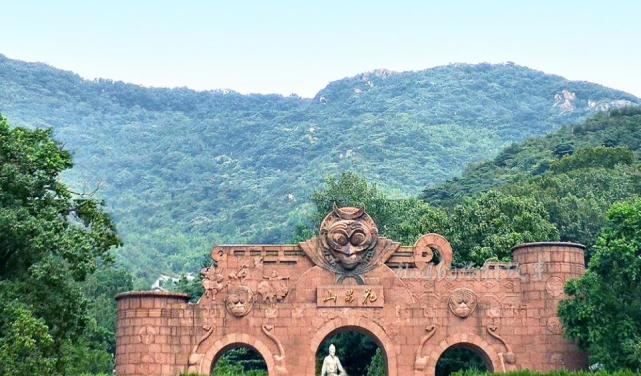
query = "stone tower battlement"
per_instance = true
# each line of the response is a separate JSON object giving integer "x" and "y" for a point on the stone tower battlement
{"x": 284, "y": 300}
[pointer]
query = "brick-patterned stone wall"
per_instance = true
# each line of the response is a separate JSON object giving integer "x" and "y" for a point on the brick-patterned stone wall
{"x": 283, "y": 301}
{"x": 155, "y": 333}
{"x": 544, "y": 269}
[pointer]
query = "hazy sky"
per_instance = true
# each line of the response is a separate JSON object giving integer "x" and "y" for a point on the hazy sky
{"x": 286, "y": 47}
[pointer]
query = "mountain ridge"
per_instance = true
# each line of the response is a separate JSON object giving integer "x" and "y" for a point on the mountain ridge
{"x": 378, "y": 72}
{"x": 182, "y": 170}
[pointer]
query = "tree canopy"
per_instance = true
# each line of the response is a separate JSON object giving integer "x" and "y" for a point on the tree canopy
{"x": 51, "y": 239}
{"x": 604, "y": 310}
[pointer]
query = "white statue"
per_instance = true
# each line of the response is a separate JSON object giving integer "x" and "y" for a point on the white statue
{"x": 332, "y": 365}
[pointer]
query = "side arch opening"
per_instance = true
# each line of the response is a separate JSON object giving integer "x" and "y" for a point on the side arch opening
{"x": 463, "y": 356}
{"x": 238, "y": 359}
{"x": 203, "y": 365}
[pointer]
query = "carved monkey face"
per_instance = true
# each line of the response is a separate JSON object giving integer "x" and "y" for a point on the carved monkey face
{"x": 348, "y": 233}
{"x": 462, "y": 302}
{"x": 239, "y": 301}
{"x": 347, "y": 241}
{"x": 462, "y": 310}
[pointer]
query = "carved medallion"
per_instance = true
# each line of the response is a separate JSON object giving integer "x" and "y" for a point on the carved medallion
{"x": 349, "y": 244}
{"x": 239, "y": 301}
{"x": 147, "y": 335}
{"x": 554, "y": 286}
{"x": 554, "y": 325}
{"x": 462, "y": 302}
{"x": 423, "y": 252}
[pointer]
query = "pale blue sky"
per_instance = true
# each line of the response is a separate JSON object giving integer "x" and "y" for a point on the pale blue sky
{"x": 299, "y": 46}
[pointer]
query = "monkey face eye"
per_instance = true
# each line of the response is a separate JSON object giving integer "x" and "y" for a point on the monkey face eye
{"x": 340, "y": 238}
{"x": 358, "y": 238}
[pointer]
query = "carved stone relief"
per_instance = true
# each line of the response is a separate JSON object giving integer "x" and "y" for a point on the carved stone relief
{"x": 279, "y": 358}
{"x": 240, "y": 273}
{"x": 147, "y": 335}
{"x": 554, "y": 325}
{"x": 273, "y": 288}
{"x": 557, "y": 360}
{"x": 349, "y": 245}
{"x": 239, "y": 301}
{"x": 554, "y": 286}
{"x": 213, "y": 282}
{"x": 196, "y": 356}
{"x": 420, "y": 361}
{"x": 462, "y": 302}
{"x": 507, "y": 356}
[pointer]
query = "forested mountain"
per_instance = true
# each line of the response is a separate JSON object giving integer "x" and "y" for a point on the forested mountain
{"x": 182, "y": 170}
{"x": 575, "y": 174}
{"x": 539, "y": 156}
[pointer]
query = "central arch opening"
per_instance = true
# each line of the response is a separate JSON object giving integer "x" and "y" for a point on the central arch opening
{"x": 360, "y": 353}
{"x": 463, "y": 356}
{"x": 238, "y": 360}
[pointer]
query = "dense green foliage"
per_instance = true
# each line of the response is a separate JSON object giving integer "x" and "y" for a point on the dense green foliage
{"x": 617, "y": 129}
{"x": 182, "y": 170}
{"x": 51, "y": 240}
{"x": 403, "y": 220}
{"x": 377, "y": 366}
{"x": 576, "y": 187}
{"x": 488, "y": 226}
{"x": 604, "y": 312}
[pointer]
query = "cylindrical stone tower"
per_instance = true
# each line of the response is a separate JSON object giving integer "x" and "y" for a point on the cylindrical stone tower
{"x": 544, "y": 270}
{"x": 154, "y": 335}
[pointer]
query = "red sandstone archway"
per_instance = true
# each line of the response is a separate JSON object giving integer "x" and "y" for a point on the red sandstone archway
{"x": 232, "y": 340}
{"x": 468, "y": 340}
{"x": 294, "y": 296}
{"x": 361, "y": 325}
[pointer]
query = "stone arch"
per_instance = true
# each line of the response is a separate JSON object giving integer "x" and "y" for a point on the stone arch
{"x": 231, "y": 340}
{"x": 362, "y": 325}
{"x": 471, "y": 341}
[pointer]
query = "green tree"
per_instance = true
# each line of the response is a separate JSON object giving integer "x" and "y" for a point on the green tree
{"x": 101, "y": 287}
{"x": 594, "y": 157}
{"x": 377, "y": 365}
{"x": 604, "y": 310}
{"x": 577, "y": 200}
{"x": 50, "y": 240}
{"x": 25, "y": 343}
{"x": 488, "y": 226}
{"x": 403, "y": 220}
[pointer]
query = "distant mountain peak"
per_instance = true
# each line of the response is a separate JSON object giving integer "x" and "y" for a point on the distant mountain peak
{"x": 183, "y": 169}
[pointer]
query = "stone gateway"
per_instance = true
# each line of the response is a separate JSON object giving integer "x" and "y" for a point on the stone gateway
{"x": 284, "y": 300}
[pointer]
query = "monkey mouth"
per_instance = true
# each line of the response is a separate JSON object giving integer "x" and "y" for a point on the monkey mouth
{"x": 350, "y": 262}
